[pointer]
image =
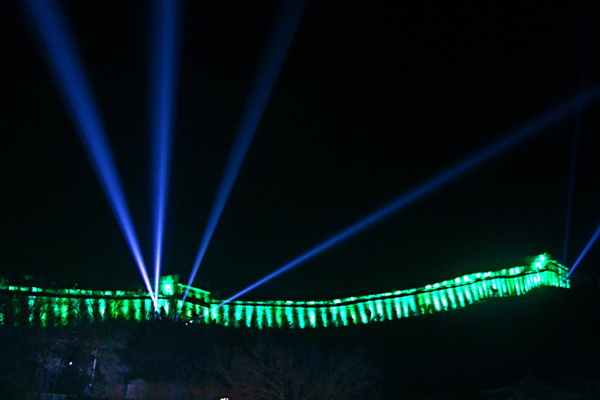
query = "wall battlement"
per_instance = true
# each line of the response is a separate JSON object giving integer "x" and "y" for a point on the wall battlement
{"x": 56, "y": 307}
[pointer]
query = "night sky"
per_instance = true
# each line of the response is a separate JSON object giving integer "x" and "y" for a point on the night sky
{"x": 372, "y": 101}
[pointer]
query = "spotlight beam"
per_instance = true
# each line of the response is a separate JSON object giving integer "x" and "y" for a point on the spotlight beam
{"x": 437, "y": 182}
{"x": 585, "y": 251}
{"x": 165, "y": 57}
{"x": 52, "y": 30}
{"x": 282, "y": 34}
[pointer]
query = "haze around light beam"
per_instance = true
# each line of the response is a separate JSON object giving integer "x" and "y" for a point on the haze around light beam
{"x": 52, "y": 31}
{"x": 165, "y": 60}
{"x": 493, "y": 150}
{"x": 280, "y": 40}
{"x": 587, "y": 248}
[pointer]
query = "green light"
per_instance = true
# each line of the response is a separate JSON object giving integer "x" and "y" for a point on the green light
{"x": 259, "y": 316}
{"x": 222, "y": 316}
{"x": 344, "y": 316}
{"x": 324, "y": 317}
{"x": 362, "y": 313}
{"x": 312, "y": 317}
{"x": 379, "y": 307}
{"x": 301, "y": 318}
{"x": 444, "y": 301}
{"x": 353, "y": 315}
{"x": 388, "y": 310}
{"x": 461, "y": 300}
{"x": 249, "y": 313}
{"x": 62, "y": 306}
{"x": 269, "y": 317}
{"x": 148, "y": 306}
{"x": 168, "y": 289}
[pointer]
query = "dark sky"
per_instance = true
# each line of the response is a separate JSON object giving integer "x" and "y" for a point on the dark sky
{"x": 371, "y": 102}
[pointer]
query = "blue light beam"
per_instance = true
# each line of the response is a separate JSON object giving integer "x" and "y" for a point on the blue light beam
{"x": 585, "y": 251}
{"x": 165, "y": 57}
{"x": 52, "y": 30}
{"x": 282, "y": 34}
{"x": 437, "y": 182}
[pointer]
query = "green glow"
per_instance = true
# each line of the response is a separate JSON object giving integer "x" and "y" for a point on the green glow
{"x": 362, "y": 313}
{"x": 249, "y": 316}
{"x": 288, "y": 316}
{"x": 238, "y": 314}
{"x": 56, "y": 312}
{"x": 404, "y": 308}
{"x": 168, "y": 289}
{"x": 51, "y": 307}
{"x": 260, "y": 311}
{"x": 138, "y": 309}
{"x": 344, "y": 316}
{"x": 324, "y": 317}
{"x": 436, "y": 302}
{"x": 301, "y": 318}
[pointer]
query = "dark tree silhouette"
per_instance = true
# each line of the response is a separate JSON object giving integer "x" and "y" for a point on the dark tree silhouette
{"x": 269, "y": 370}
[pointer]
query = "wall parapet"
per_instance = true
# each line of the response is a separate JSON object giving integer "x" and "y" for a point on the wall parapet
{"x": 55, "y": 307}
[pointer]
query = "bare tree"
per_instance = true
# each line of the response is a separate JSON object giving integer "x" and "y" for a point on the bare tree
{"x": 273, "y": 371}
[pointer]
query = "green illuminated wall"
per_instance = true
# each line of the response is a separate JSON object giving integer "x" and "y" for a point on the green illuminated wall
{"x": 35, "y": 306}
